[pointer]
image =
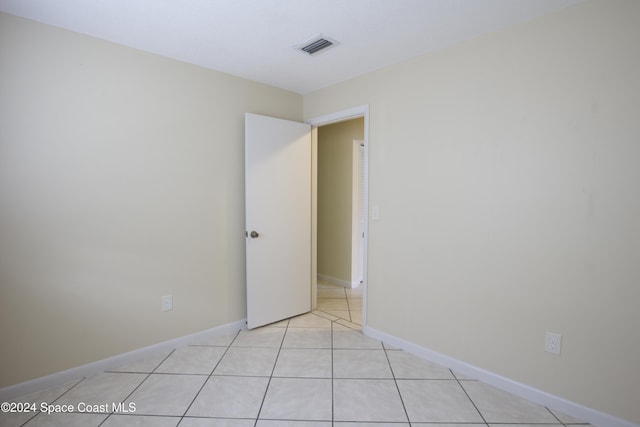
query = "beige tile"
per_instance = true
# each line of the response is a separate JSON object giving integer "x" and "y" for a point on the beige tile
{"x": 498, "y": 406}
{"x": 67, "y": 420}
{"x": 260, "y": 337}
{"x": 325, "y": 315}
{"x": 360, "y": 364}
{"x": 310, "y": 320}
{"x": 108, "y": 387}
{"x": 437, "y": 401}
{"x": 214, "y": 422}
{"x": 526, "y": 425}
{"x": 307, "y": 338}
{"x": 367, "y": 400}
{"x": 462, "y": 377}
{"x": 192, "y": 360}
{"x": 146, "y": 365}
{"x": 281, "y": 324}
{"x": 567, "y": 419}
{"x": 34, "y": 400}
{"x": 333, "y": 304}
{"x": 221, "y": 341}
{"x": 282, "y": 423}
{"x": 298, "y": 399}
{"x": 220, "y": 397}
{"x": 247, "y": 361}
{"x": 331, "y": 293}
{"x": 328, "y": 285}
{"x": 304, "y": 363}
{"x": 356, "y": 316}
{"x": 342, "y": 424}
{"x": 348, "y": 324}
{"x": 340, "y": 314}
{"x": 140, "y": 421}
{"x": 408, "y": 366}
{"x": 15, "y": 419}
{"x": 47, "y": 395}
{"x": 354, "y": 304}
{"x": 354, "y": 292}
{"x": 166, "y": 394}
{"x": 451, "y": 425}
{"x": 350, "y": 339}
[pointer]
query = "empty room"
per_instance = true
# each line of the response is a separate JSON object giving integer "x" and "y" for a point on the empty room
{"x": 164, "y": 249}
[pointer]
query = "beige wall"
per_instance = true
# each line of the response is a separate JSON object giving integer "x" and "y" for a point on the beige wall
{"x": 335, "y": 181}
{"x": 507, "y": 172}
{"x": 121, "y": 180}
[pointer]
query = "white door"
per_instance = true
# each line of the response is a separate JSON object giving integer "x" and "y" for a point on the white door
{"x": 278, "y": 218}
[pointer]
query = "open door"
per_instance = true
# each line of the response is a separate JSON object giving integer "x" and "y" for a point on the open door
{"x": 278, "y": 218}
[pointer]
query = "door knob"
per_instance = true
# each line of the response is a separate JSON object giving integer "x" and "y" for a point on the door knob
{"x": 254, "y": 234}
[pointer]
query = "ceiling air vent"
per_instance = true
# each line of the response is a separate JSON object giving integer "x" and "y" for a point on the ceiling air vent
{"x": 316, "y": 44}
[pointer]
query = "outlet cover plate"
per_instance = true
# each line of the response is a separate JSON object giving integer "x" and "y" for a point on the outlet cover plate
{"x": 167, "y": 302}
{"x": 552, "y": 342}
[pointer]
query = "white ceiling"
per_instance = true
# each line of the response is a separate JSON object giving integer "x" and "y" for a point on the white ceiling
{"x": 254, "y": 39}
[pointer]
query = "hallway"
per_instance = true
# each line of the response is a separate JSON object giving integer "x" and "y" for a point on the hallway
{"x": 345, "y": 303}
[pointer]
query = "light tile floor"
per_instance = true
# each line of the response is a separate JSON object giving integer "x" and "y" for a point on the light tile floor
{"x": 345, "y": 303}
{"x": 313, "y": 370}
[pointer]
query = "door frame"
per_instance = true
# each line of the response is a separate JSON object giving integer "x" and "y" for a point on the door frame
{"x": 358, "y": 217}
{"x": 339, "y": 116}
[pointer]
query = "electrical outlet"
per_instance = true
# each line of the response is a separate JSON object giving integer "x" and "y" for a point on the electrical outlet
{"x": 552, "y": 342}
{"x": 167, "y": 302}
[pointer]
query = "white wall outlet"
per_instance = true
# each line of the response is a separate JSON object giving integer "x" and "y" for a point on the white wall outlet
{"x": 552, "y": 342}
{"x": 167, "y": 302}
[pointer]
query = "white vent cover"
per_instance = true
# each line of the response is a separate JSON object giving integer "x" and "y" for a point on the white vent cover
{"x": 316, "y": 44}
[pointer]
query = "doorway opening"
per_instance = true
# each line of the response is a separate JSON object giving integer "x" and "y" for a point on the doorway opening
{"x": 340, "y": 223}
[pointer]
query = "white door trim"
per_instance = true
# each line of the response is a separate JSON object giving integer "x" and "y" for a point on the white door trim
{"x": 340, "y": 116}
{"x": 358, "y": 217}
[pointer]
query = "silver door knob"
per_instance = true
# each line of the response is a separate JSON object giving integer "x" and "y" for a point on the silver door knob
{"x": 254, "y": 234}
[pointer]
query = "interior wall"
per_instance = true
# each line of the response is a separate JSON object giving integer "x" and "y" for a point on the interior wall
{"x": 506, "y": 173}
{"x": 335, "y": 198}
{"x": 121, "y": 180}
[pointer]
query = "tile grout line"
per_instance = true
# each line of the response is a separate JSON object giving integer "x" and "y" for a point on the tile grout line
{"x": 38, "y": 412}
{"x": 275, "y": 363}
{"x": 346, "y": 298}
{"x": 555, "y": 416}
{"x": 208, "y": 377}
{"x": 333, "y": 414}
{"x": 349, "y": 308}
{"x": 395, "y": 381}
{"x": 469, "y": 397}
{"x": 139, "y": 385}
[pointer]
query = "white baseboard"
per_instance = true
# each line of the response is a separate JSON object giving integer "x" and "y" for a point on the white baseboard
{"x": 95, "y": 368}
{"x": 336, "y": 281}
{"x": 596, "y": 418}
